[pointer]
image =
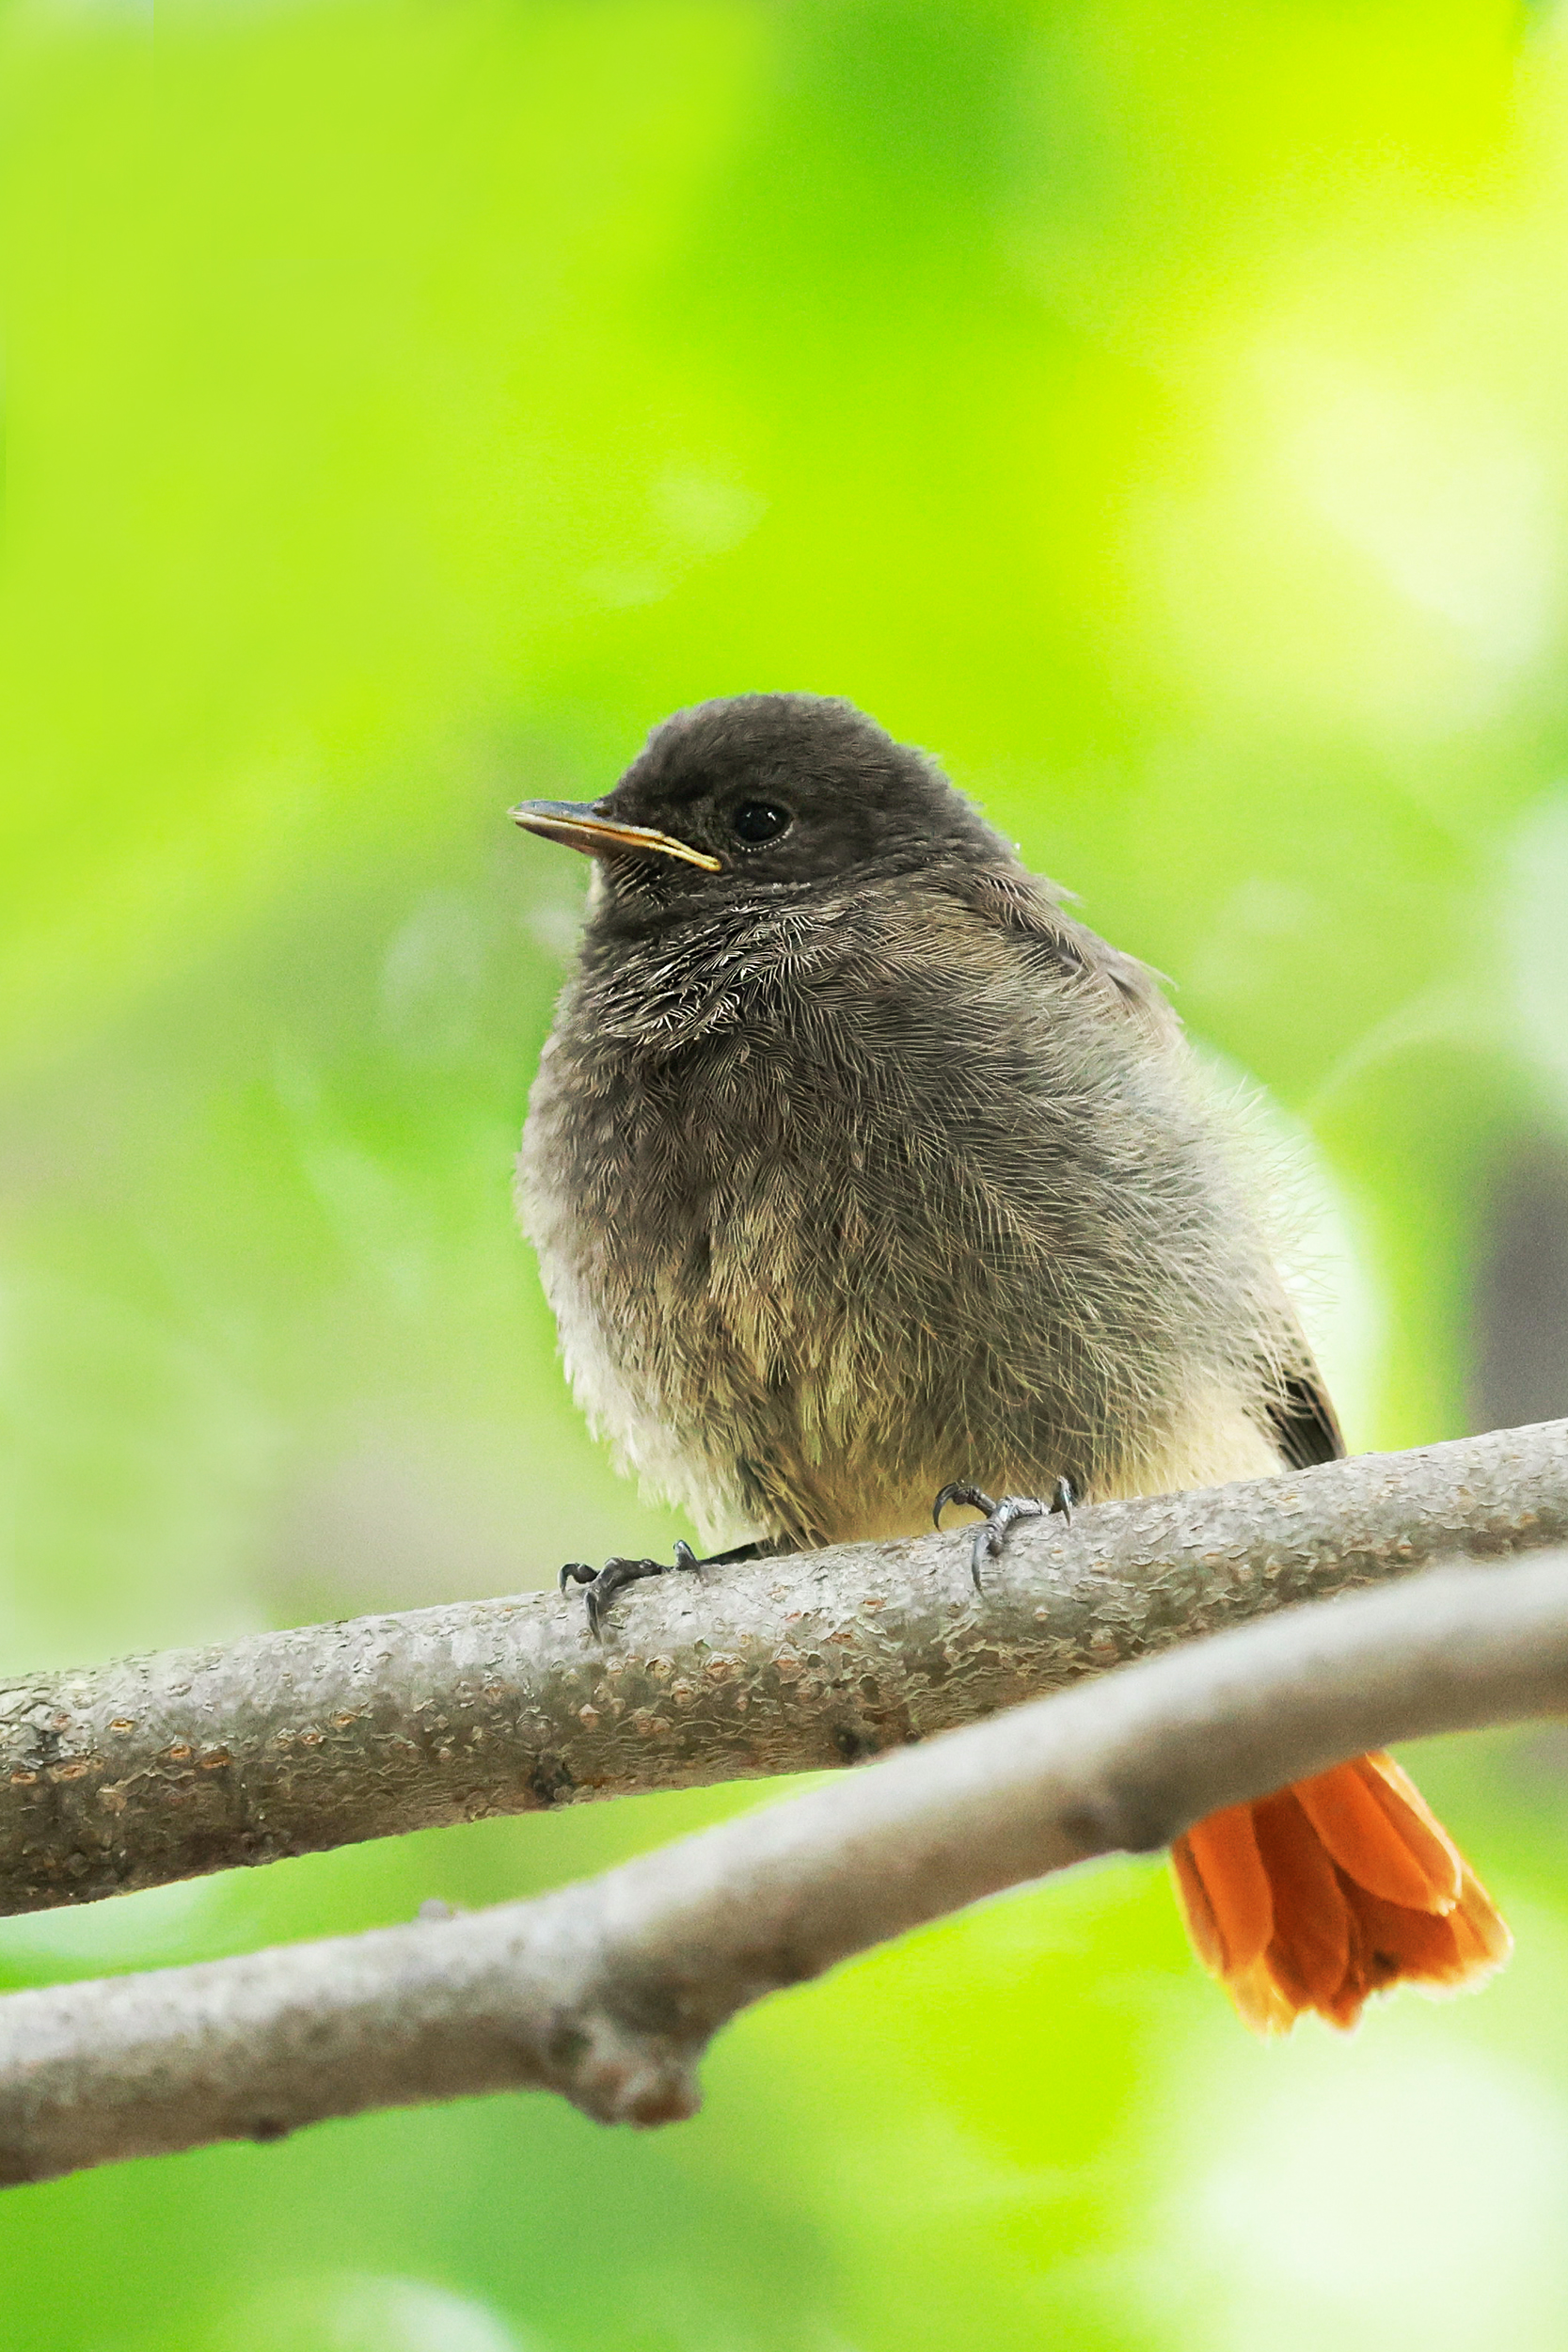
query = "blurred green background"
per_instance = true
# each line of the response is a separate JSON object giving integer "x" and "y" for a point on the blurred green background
{"x": 1156, "y": 408}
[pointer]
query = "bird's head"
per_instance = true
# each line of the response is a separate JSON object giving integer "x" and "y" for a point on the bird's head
{"x": 781, "y": 790}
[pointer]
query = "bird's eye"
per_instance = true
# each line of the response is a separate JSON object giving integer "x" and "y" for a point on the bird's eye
{"x": 761, "y": 821}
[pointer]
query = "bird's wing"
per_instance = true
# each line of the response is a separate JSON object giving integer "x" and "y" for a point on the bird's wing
{"x": 1302, "y": 1420}
{"x": 1030, "y": 907}
{"x": 1306, "y": 1426}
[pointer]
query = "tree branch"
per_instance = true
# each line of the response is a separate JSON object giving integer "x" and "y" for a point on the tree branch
{"x": 608, "y": 1991}
{"x": 163, "y": 1767}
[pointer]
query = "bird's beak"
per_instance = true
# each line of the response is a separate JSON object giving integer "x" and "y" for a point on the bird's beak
{"x": 580, "y": 825}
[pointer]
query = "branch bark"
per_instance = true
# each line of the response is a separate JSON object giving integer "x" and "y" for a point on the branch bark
{"x": 165, "y": 1767}
{"x": 608, "y": 1991}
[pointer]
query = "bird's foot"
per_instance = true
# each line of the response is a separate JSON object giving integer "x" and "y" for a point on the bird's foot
{"x": 604, "y": 1584}
{"x": 991, "y": 1533}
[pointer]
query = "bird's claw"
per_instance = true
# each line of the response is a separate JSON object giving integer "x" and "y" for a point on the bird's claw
{"x": 959, "y": 1491}
{"x": 604, "y": 1584}
{"x": 1000, "y": 1515}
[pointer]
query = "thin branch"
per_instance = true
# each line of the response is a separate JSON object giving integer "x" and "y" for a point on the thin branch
{"x": 161, "y": 1768}
{"x": 608, "y": 1991}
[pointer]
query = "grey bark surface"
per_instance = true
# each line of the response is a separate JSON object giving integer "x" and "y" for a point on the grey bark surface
{"x": 163, "y": 1767}
{"x": 608, "y": 1991}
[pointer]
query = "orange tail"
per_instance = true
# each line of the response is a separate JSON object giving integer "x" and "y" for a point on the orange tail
{"x": 1329, "y": 1891}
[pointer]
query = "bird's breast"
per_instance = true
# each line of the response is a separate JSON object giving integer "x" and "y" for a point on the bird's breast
{"x": 846, "y": 1241}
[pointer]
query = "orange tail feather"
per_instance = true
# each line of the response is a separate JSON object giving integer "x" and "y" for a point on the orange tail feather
{"x": 1316, "y": 1896}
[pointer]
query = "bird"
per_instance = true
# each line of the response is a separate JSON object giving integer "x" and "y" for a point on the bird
{"x": 865, "y": 1177}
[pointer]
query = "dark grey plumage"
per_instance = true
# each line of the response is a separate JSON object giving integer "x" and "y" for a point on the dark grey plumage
{"x": 858, "y": 1165}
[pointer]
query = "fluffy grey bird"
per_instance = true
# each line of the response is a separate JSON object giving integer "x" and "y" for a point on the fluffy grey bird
{"x": 862, "y": 1175}
{"x": 858, "y": 1168}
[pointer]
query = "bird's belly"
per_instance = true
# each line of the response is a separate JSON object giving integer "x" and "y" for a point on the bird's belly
{"x": 771, "y": 1397}
{"x": 796, "y": 1340}
{"x": 1219, "y": 1445}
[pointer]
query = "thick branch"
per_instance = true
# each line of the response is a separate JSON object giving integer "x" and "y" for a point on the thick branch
{"x": 163, "y": 1767}
{"x": 608, "y": 1991}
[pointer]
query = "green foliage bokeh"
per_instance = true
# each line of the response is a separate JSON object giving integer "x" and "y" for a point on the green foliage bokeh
{"x": 1158, "y": 411}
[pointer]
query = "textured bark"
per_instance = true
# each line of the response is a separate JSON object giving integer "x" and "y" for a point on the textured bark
{"x": 609, "y": 1991}
{"x": 163, "y": 1767}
